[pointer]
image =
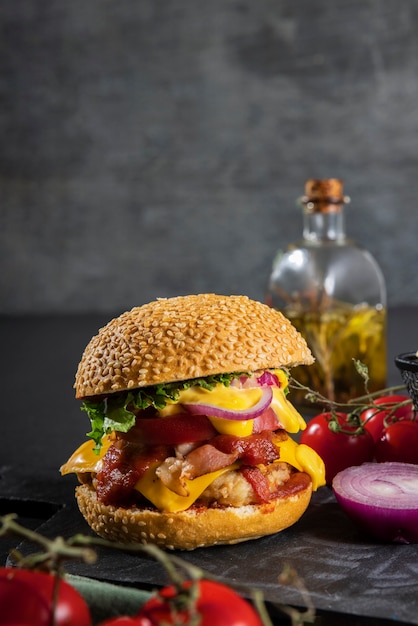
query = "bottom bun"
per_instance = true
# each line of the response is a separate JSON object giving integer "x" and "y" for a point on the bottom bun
{"x": 197, "y": 527}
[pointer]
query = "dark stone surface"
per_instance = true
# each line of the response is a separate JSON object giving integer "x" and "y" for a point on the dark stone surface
{"x": 152, "y": 148}
{"x": 42, "y": 425}
{"x": 340, "y": 569}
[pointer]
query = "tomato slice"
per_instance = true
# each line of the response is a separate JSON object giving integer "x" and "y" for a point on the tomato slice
{"x": 173, "y": 430}
{"x": 126, "y": 620}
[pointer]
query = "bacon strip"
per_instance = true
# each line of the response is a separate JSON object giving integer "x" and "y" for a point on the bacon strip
{"x": 222, "y": 451}
{"x": 253, "y": 450}
{"x": 202, "y": 460}
{"x": 208, "y": 458}
{"x": 297, "y": 482}
{"x": 259, "y": 483}
{"x": 126, "y": 462}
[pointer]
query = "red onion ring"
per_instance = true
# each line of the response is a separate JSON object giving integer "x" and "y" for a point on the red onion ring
{"x": 382, "y": 498}
{"x": 243, "y": 414}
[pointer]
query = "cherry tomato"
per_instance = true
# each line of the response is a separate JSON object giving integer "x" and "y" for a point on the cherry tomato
{"x": 338, "y": 450}
{"x": 217, "y": 605}
{"x": 374, "y": 418}
{"x": 21, "y": 603}
{"x": 399, "y": 442}
{"x": 71, "y": 609}
{"x": 125, "y": 620}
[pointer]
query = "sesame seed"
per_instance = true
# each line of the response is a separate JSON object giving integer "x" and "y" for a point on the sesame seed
{"x": 186, "y": 337}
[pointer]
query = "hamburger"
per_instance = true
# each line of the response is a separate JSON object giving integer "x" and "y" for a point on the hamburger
{"x": 189, "y": 444}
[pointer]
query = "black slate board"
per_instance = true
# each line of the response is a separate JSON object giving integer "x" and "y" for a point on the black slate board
{"x": 343, "y": 571}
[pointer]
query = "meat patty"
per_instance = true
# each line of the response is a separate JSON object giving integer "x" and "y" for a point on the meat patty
{"x": 233, "y": 489}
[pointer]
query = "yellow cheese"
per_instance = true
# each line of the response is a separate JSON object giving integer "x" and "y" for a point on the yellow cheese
{"x": 240, "y": 399}
{"x": 290, "y": 419}
{"x": 84, "y": 459}
{"x": 233, "y": 398}
{"x": 300, "y": 456}
{"x": 239, "y": 428}
{"x": 166, "y": 500}
{"x": 225, "y": 397}
{"x": 282, "y": 378}
{"x": 303, "y": 458}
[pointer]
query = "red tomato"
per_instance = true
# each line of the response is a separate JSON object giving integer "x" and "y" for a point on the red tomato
{"x": 374, "y": 418}
{"x": 125, "y": 620}
{"x": 71, "y": 609}
{"x": 21, "y": 603}
{"x": 338, "y": 450}
{"x": 174, "y": 430}
{"x": 399, "y": 442}
{"x": 217, "y": 605}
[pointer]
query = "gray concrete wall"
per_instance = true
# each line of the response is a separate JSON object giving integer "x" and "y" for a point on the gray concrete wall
{"x": 152, "y": 148}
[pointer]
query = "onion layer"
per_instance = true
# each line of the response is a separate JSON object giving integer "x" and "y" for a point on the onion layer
{"x": 268, "y": 378}
{"x": 241, "y": 414}
{"x": 382, "y": 498}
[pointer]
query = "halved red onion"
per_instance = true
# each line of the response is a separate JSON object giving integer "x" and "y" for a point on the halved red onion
{"x": 382, "y": 498}
{"x": 243, "y": 414}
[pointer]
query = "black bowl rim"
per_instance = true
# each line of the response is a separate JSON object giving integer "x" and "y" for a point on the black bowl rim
{"x": 407, "y": 361}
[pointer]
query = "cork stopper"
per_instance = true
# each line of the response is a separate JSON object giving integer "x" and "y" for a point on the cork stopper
{"x": 324, "y": 195}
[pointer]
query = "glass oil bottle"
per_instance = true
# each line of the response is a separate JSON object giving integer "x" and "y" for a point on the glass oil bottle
{"x": 333, "y": 291}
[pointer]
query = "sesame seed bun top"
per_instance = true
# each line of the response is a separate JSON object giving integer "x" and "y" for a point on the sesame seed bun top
{"x": 187, "y": 337}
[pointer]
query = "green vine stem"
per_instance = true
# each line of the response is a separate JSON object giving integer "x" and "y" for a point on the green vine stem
{"x": 355, "y": 406}
{"x": 52, "y": 557}
{"x": 55, "y": 552}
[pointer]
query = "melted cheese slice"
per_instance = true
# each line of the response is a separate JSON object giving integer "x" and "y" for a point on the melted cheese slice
{"x": 240, "y": 399}
{"x": 305, "y": 459}
{"x": 289, "y": 418}
{"x": 84, "y": 459}
{"x": 224, "y": 397}
{"x": 166, "y": 500}
{"x": 300, "y": 456}
{"x": 233, "y": 398}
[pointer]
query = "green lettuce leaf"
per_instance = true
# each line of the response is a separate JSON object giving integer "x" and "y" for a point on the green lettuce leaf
{"x": 117, "y": 411}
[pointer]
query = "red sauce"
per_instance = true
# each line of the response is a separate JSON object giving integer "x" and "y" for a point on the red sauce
{"x": 126, "y": 462}
{"x": 123, "y": 465}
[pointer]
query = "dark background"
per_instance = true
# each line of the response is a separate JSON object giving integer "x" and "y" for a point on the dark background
{"x": 156, "y": 148}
